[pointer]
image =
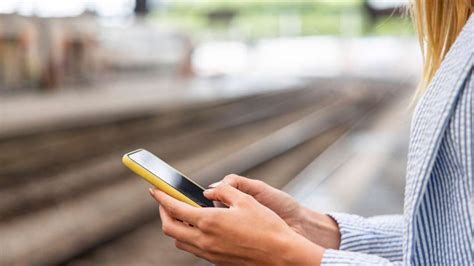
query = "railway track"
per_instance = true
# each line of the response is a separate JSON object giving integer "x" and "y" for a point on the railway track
{"x": 79, "y": 144}
{"x": 73, "y": 203}
{"x": 70, "y": 179}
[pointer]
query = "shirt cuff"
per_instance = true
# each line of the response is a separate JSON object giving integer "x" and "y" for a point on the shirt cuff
{"x": 349, "y": 228}
{"x": 381, "y": 236}
{"x": 337, "y": 257}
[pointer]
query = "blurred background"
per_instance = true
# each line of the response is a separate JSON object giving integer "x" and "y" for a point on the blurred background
{"x": 313, "y": 97}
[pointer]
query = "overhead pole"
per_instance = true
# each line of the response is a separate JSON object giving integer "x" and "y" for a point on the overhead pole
{"x": 141, "y": 7}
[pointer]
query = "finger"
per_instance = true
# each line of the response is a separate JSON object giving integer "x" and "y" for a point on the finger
{"x": 214, "y": 185}
{"x": 227, "y": 194}
{"x": 246, "y": 185}
{"x": 176, "y": 229}
{"x": 177, "y": 209}
{"x": 194, "y": 250}
{"x": 189, "y": 248}
{"x": 216, "y": 258}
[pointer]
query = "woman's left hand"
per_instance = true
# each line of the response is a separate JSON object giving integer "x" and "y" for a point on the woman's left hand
{"x": 245, "y": 233}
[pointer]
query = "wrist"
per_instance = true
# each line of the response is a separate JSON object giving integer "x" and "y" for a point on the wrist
{"x": 294, "y": 249}
{"x": 320, "y": 229}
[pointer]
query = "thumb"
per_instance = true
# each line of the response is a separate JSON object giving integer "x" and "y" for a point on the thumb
{"x": 246, "y": 185}
{"x": 226, "y": 194}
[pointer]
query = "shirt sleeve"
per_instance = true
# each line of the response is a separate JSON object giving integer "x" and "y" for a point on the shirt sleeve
{"x": 377, "y": 239}
{"x": 333, "y": 257}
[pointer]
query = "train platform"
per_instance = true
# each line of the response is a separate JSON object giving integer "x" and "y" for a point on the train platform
{"x": 123, "y": 97}
{"x": 364, "y": 171}
{"x": 266, "y": 137}
{"x": 273, "y": 64}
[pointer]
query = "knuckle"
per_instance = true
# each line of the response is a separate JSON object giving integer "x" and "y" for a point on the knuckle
{"x": 205, "y": 223}
{"x": 199, "y": 243}
{"x": 166, "y": 229}
{"x": 259, "y": 183}
{"x": 223, "y": 188}
{"x": 205, "y": 244}
{"x": 231, "y": 177}
{"x": 178, "y": 244}
{"x": 209, "y": 224}
{"x": 244, "y": 199}
{"x": 171, "y": 211}
{"x": 199, "y": 254}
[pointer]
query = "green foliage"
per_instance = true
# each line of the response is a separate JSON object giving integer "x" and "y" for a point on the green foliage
{"x": 263, "y": 18}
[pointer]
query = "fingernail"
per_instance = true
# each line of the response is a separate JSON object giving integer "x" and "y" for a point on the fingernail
{"x": 213, "y": 185}
{"x": 151, "y": 191}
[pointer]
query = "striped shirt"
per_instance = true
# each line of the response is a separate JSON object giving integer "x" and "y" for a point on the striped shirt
{"x": 437, "y": 225}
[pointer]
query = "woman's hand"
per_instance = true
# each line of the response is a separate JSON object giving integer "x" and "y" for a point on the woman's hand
{"x": 245, "y": 233}
{"x": 317, "y": 227}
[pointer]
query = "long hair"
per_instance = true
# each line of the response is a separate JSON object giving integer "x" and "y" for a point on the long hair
{"x": 438, "y": 23}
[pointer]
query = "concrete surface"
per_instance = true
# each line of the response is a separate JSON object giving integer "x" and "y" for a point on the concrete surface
{"x": 362, "y": 173}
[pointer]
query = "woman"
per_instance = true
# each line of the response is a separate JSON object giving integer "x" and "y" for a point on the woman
{"x": 266, "y": 226}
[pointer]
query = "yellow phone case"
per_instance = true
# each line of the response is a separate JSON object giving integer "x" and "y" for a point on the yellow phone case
{"x": 156, "y": 181}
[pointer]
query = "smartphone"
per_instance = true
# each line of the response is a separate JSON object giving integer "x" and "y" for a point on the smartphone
{"x": 166, "y": 178}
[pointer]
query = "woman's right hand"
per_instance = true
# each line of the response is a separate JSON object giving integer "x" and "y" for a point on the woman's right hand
{"x": 317, "y": 227}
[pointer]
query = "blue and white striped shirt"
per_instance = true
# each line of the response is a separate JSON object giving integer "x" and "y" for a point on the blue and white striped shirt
{"x": 437, "y": 225}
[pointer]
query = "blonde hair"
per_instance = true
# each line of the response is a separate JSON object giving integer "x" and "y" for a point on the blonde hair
{"x": 438, "y": 23}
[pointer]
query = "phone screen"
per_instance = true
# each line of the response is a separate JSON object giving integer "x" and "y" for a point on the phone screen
{"x": 171, "y": 176}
